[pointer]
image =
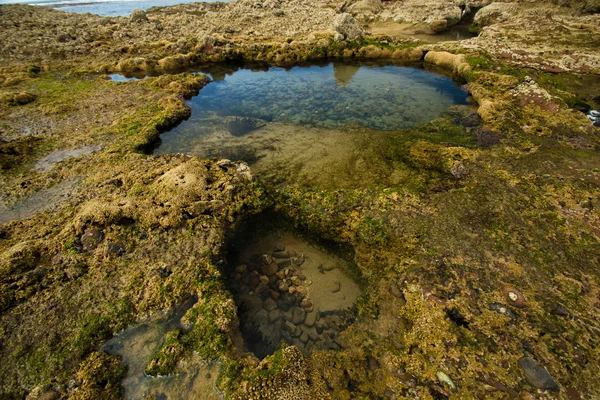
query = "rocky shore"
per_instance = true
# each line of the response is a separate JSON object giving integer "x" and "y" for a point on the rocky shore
{"x": 479, "y": 271}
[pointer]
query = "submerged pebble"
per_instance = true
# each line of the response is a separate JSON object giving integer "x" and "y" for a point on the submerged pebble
{"x": 274, "y": 304}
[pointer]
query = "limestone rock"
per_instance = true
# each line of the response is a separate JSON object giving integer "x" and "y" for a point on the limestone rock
{"x": 365, "y": 7}
{"x": 438, "y": 25}
{"x": 494, "y": 13}
{"x": 346, "y": 25}
{"x": 427, "y": 11}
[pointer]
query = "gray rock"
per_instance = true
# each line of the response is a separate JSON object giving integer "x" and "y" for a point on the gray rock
{"x": 304, "y": 337}
{"x": 289, "y": 326}
{"x": 346, "y": 25}
{"x": 536, "y": 375}
{"x": 91, "y": 238}
{"x": 298, "y": 315}
{"x": 311, "y": 319}
{"x": 502, "y": 309}
{"x": 270, "y": 304}
{"x": 115, "y": 248}
{"x": 261, "y": 317}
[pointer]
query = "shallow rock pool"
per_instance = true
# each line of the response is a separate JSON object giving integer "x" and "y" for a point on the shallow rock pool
{"x": 318, "y": 126}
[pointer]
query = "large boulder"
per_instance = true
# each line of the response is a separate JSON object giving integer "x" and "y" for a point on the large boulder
{"x": 346, "y": 25}
{"x": 494, "y": 13}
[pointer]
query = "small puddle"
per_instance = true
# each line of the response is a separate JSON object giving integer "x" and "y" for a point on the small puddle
{"x": 44, "y": 200}
{"x": 138, "y": 344}
{"x": 46, "y": 163}
{"x": 123, "y": 78}
{"x": 288, "y": 290}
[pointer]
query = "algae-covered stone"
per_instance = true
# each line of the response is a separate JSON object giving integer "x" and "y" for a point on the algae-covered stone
{"x": 138, "y": 15}
{"x": 537, "y": 376}
{"x": 91, "y": 238}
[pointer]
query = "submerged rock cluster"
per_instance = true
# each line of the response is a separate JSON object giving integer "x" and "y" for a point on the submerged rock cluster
{"x": 272, "y": 295}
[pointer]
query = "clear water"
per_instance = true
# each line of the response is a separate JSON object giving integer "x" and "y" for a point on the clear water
{"x": 137, "y": 345}
{"x": 331, "y": 96}
{"x": 123, "y": 78}
{"x": 288, "y": 289}
{"x": 318, "y": 126}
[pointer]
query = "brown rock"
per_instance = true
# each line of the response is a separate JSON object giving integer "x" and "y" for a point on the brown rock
{"x": 270, "y": 269}
{"x": 275, "y": 295}
{"x": 514, "y": 297}
{"x": 438, "y": 25}
{"x": 280, "y": 255}
{"x": 264, "y": 279}
{"x": 283, "y": 286}
{"x": 91, "y": 238}
{"x": 241, "y": 268}
{"x": 306, "y": 303}
{"x": 266, "y": 259}
{"x": 298, "y": 315}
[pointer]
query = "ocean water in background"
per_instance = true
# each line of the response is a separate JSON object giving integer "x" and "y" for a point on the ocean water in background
{"x": 106, "y": 8}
